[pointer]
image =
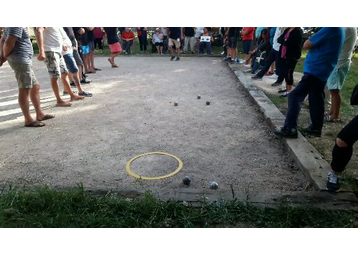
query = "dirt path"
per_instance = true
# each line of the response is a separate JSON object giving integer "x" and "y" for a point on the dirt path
{"x": 132, "y": 113}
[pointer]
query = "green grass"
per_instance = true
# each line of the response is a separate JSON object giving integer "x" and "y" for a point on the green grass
{"x": 45, "y": 207}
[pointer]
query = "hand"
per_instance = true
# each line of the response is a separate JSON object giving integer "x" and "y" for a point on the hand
{"x": 81, "y": 31}
{"x": 64, "y": 47}
{"x": 41, "y": 56}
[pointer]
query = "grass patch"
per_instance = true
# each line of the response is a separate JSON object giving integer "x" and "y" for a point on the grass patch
{"x": 45, "y": 207}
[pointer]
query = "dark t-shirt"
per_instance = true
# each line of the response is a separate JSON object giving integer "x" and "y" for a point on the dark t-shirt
{"x": 112, "y": 36}
{"x": 90, "y": 35}
{"x": 80, "y": 38}
{"x": 71, "y": 35}
{"x": 233, "y": 32}
{"x": 174, "y": 32}
{"x": 189, "y": 31}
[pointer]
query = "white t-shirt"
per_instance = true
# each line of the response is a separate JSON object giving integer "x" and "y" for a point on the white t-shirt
{"x": 278, "y": 33}
{"x": 66, "y": 42}
{"x": 346, "y": 54}
{"x": 52, "y": 39}
{"x": 199, "y": 31}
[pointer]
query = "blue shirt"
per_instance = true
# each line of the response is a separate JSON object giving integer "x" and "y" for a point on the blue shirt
{"x": 272, "y": 34}
{"x": 323, "y": 56}
{"x": 258, "y": 31}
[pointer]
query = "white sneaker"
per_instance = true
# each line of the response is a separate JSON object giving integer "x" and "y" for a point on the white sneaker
{"x": 272, "y": 76}
{"x": 247, "y": 65}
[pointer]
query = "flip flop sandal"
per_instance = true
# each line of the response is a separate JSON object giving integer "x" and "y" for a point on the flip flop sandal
{"x": 115, "y": 66}
{"x": 61, "y": 105}
{"x": 97, "y": 69}
{"x": 47, "y": 117}
{"x": 36, "y": 123}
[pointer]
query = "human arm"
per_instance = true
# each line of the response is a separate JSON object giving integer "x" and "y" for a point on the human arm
{"x": 308, "y": 45}
{"x": 181, "y": 33}
{"x": 2, "y": 59}
{"x": 40, "y": 43}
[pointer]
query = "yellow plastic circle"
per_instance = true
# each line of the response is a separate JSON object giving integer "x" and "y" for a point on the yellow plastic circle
{"x": 129, "y": 171}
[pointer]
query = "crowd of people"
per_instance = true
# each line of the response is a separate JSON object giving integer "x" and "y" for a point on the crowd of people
{"x": 68, "y": 54}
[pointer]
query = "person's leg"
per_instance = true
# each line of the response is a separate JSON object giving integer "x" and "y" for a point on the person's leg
{"x": 140, "y": 38}
{"x": 316, "y": 102}
{"x": 295, "y": 100}
{"x": 85, "y": 63}
{"x": 186, "y": 44}
{"x": 208, "y": 47}
{"x": 35, "y": 99}
{"x": 270, "y": 59}
{"x": 145, "y": 41}
{"x": 100, "y": 45}
{"x": 336, "y": 104}
{"x": 64, "y": 79}
{"x": 289, "y": 77}
{"x": 192, "y": 44}
{"x": 157, "y": 47}
{"x": 23, "y": 100}
{"x": 342, "y": 153}
{"x": 201, "y": 47}
{"x": 177, "y": 45}
{"x": 113, "y": 55}
{"x": 171, "y": 48}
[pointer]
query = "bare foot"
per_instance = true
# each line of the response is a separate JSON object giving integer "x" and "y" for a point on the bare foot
{"x": 63, "y": 104}
{"x": 75, "y": 98}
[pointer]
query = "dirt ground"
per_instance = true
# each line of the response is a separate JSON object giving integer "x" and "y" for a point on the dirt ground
{"x": 131, "y": 113}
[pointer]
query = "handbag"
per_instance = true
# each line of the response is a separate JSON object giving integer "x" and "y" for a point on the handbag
{"x": 354, "y": 97}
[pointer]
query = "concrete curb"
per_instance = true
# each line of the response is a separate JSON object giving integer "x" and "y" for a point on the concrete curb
{"x": 308, "y": 159}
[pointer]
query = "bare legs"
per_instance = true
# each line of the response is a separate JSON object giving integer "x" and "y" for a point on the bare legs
{"x": 336, "y": 104}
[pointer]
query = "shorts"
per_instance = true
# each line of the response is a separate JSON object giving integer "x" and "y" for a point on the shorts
{"x": 158, "y": 44}
{"x": 71, "y": 63}
{"x": 91, "y": 46}
{"x": 337, "y": 78}
{"x": 85, "y": 49}
{"x": 232, "y": 42}
{"x": 24, "y": 74}
{"x": 55, "y": 64}
{"x": 173, "y": 42}
{"x": 247, "y": 46}
{"x": 78, "y": 58}
{"x": 115, "y": 47}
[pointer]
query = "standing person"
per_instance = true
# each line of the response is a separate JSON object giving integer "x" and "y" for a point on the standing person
{"x": 273, "y": 56}
{"x": 174, "y": 40}
{"x": 142, "y": 37}
{"x": 290, "y": 53}
{"x": 67, "y": 53}
{"x": 79, "y": 32}
{"x": 71, "y": 35}
{"x": 50, "y": 44}
{"x": 98, "y": 38}
{"x": 16, "y": 48}
{"x": 336, "y": 79}
{"x": 342, "y": 153}
{"x": 324, "y": 48}
{"x": 198, "y": 33}
{"x": 165, "y": 39}
{"x": 114, "y": 45}
{"x": 90, "y": 39}
{"x": 189, "y": 39}
{"x": 127, "y": 40}
{"x": 85, "y": 49}
{"x": 247, "y": 37}
{"x": 232, "y": 35}
{"x": 158, "y": 41}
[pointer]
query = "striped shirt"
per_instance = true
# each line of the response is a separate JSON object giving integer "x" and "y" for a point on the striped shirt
{"x": 23, "y": 50}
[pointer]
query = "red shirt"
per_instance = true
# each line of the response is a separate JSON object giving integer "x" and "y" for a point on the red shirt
{"x": 127, "y": 35}
{"x": 250, "y": 35}
{"x": 98, "y": 33}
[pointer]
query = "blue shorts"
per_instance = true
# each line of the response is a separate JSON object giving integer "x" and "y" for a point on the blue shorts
{"x": 247, "y": 46}
{"x": 71, "y": 63}
{"x": 337, "y": 78}
{"x": 85, "y": 49}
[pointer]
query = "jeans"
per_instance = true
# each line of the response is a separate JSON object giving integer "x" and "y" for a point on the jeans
{"x": 273, "y": 56}
{"x": 127, "y": 46}
{"x": 143, "y": 41}
{"x": 206, "y": 45}
{"x": 314, "y": 88}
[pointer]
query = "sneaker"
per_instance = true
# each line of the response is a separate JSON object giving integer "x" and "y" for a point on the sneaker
{"x": 84, "y": 81}
{"x": 72, "y": 84}
{"x": 273, "y": 76}
{"x": 256, "y": 77}
{"x": 232, "y": 61}
{"x": 85, "y": 94}
{"x": 177, "y": 59}
{"x": 247, "y": 65}
{"x": 333, "y": 184}
{"x": 276, "y": 83}
{"x": 227, "y": 59}
{"x": 172, "y": 58}
{"x": 311, "y": 132}
{"x": 287, "y": 132}
{"x": 283, "y": 90}
{"x": 285, "y": 94}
